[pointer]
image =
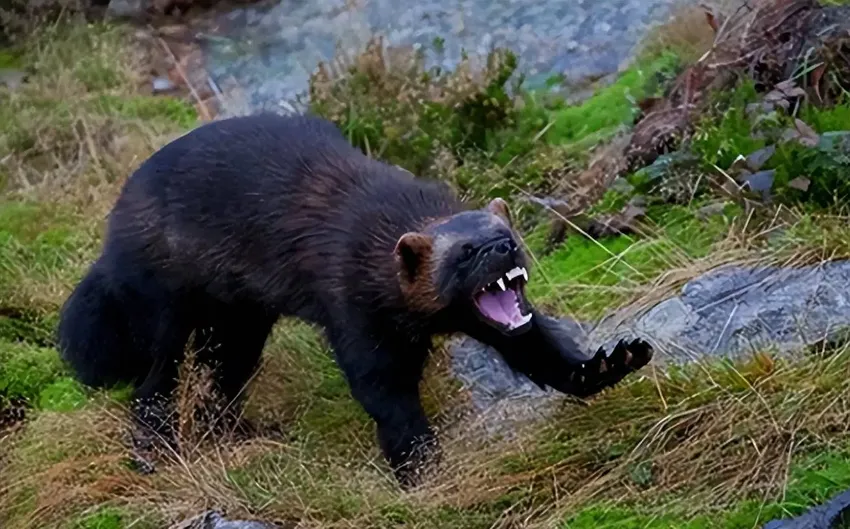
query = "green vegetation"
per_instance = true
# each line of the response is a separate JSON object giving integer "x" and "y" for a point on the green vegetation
{"x": 590, "y": 277}
{"x": 710, "y": 445}
{"x": 613, "y": 106}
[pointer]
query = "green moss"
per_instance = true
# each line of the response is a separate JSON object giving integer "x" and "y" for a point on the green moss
{"x": 108, "y": 517}
{"x": 611, "y": 106}
{"x": 25, "y": 370}
{"x": 65, "y": 394}
{"x": 581, "y": 265}
{"x": 149, "y": 108}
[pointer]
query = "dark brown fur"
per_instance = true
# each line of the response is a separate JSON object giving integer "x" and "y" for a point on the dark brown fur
{"x": 245, "y": 220}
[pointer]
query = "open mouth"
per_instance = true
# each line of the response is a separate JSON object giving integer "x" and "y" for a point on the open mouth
{"x": 500, "y": 300}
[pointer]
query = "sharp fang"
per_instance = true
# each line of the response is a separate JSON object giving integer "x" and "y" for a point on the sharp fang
{"x": 525, "y": 274}
{"x": 525, "y": 319}
{"x": 516, "y": 272}
{"x": 501, "y": 283}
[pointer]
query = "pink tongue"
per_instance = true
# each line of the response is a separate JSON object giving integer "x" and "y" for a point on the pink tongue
{"x": 502, "y": 307}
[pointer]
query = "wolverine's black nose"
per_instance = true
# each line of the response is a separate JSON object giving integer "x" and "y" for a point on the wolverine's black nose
{"x": 503, "y": 247}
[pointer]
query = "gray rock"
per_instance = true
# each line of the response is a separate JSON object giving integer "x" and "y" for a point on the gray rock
{"x": 127, "y": 8}
{"x": 162, "y": 84}
{"x": 12, "y": 78}
{"x": 214, "y": 520}
{"x": 728, "y": 312}
{"x": 734, "y": 311}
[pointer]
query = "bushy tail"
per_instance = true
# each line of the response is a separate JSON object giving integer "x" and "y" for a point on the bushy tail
{"x": 94, "y": 334}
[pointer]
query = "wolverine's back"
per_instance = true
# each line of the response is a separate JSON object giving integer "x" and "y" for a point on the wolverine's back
{"x": 268, "y": 207}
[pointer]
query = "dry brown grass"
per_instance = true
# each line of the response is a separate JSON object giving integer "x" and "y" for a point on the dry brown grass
{"x": 71, "y": 134}
{"x": 687, "y": 34}
{"x": 83, "y": 120}
{"x": 713, "y": 435}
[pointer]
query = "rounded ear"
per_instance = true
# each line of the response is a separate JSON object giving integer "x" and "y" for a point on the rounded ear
{"x": 412, "y": 251}
{"x": 499, "y": 207}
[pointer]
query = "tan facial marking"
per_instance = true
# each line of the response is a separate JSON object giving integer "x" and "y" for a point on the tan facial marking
{"x": 417, "y": 250}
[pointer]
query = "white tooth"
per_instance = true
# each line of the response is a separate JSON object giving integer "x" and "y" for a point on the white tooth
{"x": 522, "y": 321}
{"x": 514, "y": 273}
{"x": 501, "y": 283}
{"x": 525, "y": 274}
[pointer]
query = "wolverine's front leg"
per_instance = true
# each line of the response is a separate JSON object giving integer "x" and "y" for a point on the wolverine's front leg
{"x": 384, "y": 378}
{"x": 549, "y": 356}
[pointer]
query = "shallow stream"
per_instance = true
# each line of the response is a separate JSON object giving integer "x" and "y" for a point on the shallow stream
{"x": 270, "y": 51}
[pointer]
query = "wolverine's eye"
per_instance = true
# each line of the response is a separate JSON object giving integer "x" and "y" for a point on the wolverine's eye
{"x": 468, "y": 250}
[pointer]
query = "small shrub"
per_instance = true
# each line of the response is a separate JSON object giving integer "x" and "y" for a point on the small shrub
{"x": 614, "y": 105}
{"x": 727, "y": 131}
{"x": 740, "y": 126}
{"x": 394, "y": 108}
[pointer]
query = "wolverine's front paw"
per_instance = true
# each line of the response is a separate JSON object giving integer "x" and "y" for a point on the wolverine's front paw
{"x": 606, "y": 370}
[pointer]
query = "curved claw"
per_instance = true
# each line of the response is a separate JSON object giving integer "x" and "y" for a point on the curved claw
{"x": 604, "y": 370}
{"x": 549, "y": 356}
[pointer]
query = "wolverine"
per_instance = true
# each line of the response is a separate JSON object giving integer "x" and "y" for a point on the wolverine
{"x": 246, "y": 220}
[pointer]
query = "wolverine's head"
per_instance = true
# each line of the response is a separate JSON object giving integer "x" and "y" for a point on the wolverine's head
{"x": 470, "y": 262}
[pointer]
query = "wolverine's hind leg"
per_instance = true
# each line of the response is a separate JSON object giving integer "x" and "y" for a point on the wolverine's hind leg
{"x": 152, "y": 401}
{"x": 231, "y": 343}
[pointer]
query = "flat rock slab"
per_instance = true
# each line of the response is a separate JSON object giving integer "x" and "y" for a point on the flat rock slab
{"x": 214, "y": 520}
{"x": 735, "y": 311}
{"x": 730, "y": 312}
